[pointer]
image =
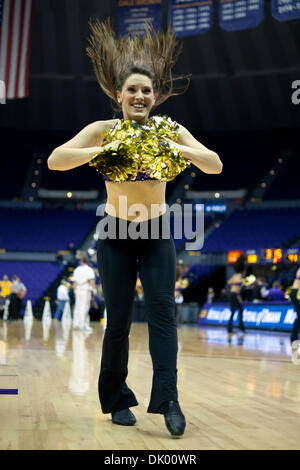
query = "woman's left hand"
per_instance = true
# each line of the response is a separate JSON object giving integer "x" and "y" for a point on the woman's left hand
{"x": 176, "y": 146}
{"x": 172, "y": 144}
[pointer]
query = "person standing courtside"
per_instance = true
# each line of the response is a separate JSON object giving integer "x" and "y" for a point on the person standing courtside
{"x": 236, "y": 283}
{"x": 296, "y": 303}
{"x": 5, "y": 286}
{"x": 62, "y": 297}
{"x": 18, "y": 292}
{"x": 84, "y": 286}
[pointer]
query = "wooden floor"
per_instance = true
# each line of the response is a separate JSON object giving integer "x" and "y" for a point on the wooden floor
{"x": 237, "y": 394}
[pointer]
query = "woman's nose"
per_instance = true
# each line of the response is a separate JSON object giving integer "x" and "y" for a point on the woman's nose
{"x": 139, "y": 94}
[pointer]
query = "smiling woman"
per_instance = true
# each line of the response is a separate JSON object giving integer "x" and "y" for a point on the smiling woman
{"x": 139, "y": 154}
{"x": 137, "y": 97}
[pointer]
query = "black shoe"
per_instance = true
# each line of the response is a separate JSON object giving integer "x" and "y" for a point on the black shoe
{"x": 174, "y": 419}
{"x": 123, "y": 417}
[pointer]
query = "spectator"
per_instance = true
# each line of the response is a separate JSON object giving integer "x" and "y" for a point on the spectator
{"x": 71, "y": 248}
{"x": 18, "y": 292}
{"x": 223, "y": 297}
{"x": 276, "y": 292}
{"x": 2, "y": 305}
{"x": 71, "y": 257}
{"x": 62, "y": 298}
{"x": 210, "y": 295}
{"x": 5, "y": 285}
{"x": 260, "y": 291}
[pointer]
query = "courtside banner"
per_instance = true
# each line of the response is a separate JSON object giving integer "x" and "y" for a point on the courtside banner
{"x": 270, "y": 316}
{"x": 132, "y": 15}
{"x": 285, "y": 10}
{"x": 236, "y": 15}
{"x": 190, "y": 17}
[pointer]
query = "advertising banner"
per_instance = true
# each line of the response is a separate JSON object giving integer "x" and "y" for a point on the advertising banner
{"x": 263, "y": 315}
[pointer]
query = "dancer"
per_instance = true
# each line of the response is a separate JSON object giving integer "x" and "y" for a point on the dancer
{"x": 296, "y": 302}
{"x": 136, "y": 74}
{"x": 235, "y": 283}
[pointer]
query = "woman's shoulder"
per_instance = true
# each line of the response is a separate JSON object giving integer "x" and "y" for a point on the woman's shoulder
{"x": 236, "y": 276}
{"x": 104, "y": 125}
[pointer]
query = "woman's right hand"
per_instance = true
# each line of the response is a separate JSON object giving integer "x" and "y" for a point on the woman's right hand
{"x": 111, "y": 145}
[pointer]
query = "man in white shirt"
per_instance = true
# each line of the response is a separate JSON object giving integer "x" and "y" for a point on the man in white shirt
{"x": 62, "y": 297}
{"x": 84, "y": 287}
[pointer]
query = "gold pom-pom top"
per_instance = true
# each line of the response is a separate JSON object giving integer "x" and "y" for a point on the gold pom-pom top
{"x": 143, "y": 153}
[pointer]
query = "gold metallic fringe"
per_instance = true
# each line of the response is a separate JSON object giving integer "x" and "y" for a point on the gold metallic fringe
{"x": 141, "y": 150}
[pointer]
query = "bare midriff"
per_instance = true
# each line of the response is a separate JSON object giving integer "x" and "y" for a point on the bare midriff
{"x": 136, "y": 200}
{"x": 236, "y": 287}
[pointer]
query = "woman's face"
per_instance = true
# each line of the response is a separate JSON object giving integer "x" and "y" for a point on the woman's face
{"x": 137, "y": 98}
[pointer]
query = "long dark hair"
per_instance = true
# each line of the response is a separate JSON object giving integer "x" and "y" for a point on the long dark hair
{"x": 116, "y": 58}
{"x": 240, "y": 264}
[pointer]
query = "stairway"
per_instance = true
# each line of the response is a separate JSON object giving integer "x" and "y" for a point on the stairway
{"x": 51, "y": 293}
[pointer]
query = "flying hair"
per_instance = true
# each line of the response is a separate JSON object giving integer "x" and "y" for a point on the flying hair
{"x": 115, "y": 58}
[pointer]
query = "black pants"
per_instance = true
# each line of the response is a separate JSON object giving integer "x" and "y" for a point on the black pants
{"x": 119, "y": 261}
{"x": 296, "y": 303}
{"x": 14, "y": 308}
{"x": 235, "y": 304}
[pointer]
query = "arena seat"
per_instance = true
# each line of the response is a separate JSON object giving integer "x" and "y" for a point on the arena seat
{"x": 43, "y": 230}
{"x": 254, "y": 229}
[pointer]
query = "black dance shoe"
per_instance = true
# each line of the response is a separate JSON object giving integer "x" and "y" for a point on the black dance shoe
{"x": 123, "y": 417}
{"x": 174, "y": 419}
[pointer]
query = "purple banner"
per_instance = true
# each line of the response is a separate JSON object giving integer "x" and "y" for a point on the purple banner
{"x": 236, "y": 15}
{"x": 286, "y": 10}
{"x": 132, "y": 15}
{"x": 190, "y": 17}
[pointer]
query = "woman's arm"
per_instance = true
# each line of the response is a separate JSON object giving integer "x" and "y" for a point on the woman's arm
{"x": 80, "y": 149}
{"x": 203, "y": 158}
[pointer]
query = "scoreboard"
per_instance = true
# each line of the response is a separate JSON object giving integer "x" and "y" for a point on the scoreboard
{"x": 266, "y": 256}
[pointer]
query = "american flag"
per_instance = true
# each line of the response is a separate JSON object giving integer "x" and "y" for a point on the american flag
{"x": 15, "y": 35}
